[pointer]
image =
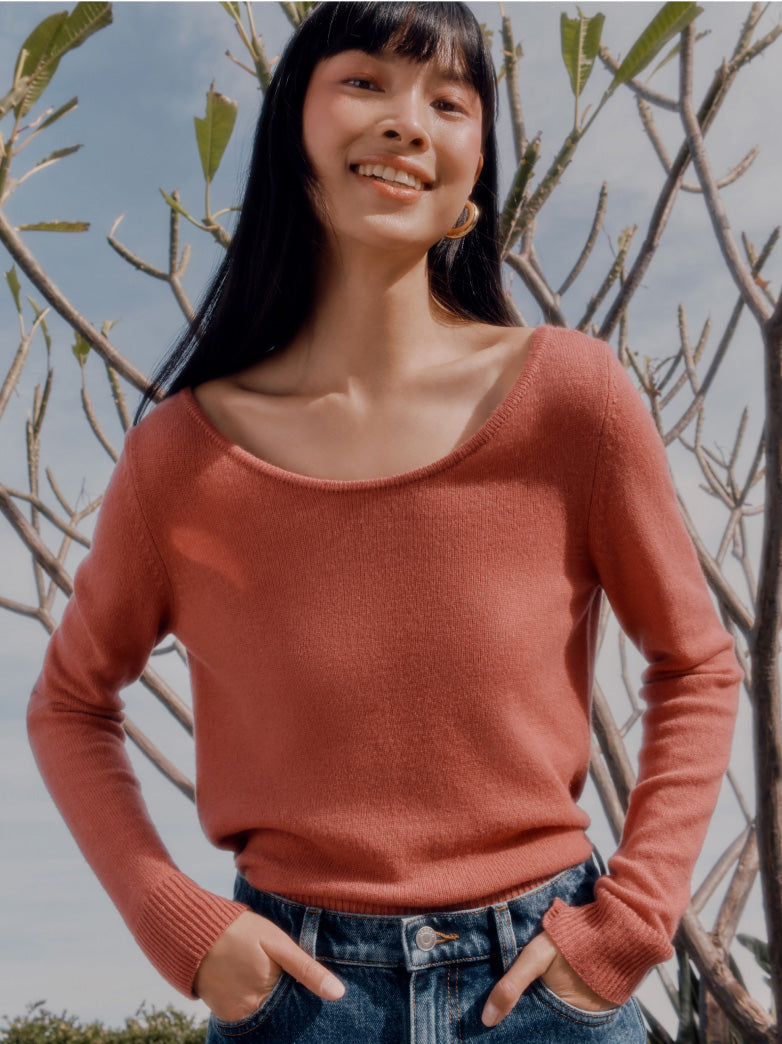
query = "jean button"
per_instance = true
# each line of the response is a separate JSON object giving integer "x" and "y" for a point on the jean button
{"x": 425, "y": 938}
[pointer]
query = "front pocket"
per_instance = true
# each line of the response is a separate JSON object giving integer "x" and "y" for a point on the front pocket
{"x": 553, "y": 1001}
{"x": 261, "y": 1013}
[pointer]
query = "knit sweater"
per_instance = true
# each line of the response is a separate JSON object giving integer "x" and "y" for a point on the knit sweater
{"x": 391, "y": 677}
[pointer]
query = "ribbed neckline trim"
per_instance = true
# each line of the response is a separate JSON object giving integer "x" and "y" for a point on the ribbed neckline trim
{"x": 476, "y": 440}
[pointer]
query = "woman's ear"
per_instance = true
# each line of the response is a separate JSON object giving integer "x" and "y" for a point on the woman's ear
{"x": 480, "y": 168}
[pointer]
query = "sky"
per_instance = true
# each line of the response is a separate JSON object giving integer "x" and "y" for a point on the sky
{"x": 140, "y": 82}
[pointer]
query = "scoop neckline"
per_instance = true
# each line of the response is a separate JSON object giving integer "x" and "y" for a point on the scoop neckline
{"x": 464, "y": 449}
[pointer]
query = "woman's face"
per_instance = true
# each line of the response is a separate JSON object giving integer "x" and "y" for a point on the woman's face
{"x": 367, "y": 111}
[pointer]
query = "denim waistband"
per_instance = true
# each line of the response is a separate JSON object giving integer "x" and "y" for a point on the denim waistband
{"x": 425, "y": 939}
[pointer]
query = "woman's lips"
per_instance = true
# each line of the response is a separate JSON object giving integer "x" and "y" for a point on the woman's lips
{"x": 395, "y": 189}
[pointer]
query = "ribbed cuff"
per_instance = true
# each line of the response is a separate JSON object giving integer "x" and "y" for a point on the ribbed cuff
{"x": 607, "y": 944}
{"x": 179, "y": 924}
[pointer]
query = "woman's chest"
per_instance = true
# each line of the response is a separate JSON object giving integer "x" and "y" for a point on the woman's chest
{"x": 350, "y": 435}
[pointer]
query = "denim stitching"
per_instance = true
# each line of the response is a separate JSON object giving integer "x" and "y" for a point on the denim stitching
{"x": 458, "y": 1008}
{"x": 415, "y": 1007}
{"x": 499, "y": 908}
{"x": 597, "y": 1020}
{"x": 228, "y": 1031}
{"x": 401, "y": 964}
{"x": 450, "y": 1009}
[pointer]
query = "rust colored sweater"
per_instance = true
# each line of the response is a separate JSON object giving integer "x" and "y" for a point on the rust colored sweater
{"x": 391, "y": 677}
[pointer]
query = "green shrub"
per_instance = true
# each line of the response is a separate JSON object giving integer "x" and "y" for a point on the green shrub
{"x": 148, "y": 1026}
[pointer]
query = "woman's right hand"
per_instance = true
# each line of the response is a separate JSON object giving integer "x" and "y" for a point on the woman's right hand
{"x": 240, "y": 970}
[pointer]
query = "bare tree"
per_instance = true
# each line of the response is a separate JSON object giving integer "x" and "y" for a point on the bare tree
{"x": 711, "y": 1001}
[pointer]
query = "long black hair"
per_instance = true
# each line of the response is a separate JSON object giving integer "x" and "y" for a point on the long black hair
{"x": 263, "y": 288}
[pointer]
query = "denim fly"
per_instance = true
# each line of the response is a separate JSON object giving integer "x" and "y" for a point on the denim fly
{"x": 423, "y": 978}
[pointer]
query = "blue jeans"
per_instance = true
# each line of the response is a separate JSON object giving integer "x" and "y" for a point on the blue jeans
{"x": 403, "y": 983}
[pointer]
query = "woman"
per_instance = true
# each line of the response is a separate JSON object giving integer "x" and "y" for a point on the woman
{"x": 380, "y": 515}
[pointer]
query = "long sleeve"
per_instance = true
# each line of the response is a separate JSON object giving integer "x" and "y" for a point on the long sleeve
{"x": 650, "y": 574}
{"x": 121, "y": 607}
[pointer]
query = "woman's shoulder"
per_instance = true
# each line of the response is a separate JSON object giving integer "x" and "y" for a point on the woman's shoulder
{"x": 577, "y": 351}
{"x": 163, "y": 421}
{"x": 163, "y": 445}
{"x": 578, "y": 367}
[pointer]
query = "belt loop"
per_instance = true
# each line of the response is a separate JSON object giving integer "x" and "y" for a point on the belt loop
{"x": 507, "y": 939}
{"x": 309, "y": 930}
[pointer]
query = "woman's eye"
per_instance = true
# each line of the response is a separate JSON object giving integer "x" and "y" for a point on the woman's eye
{"x": 360, "y": 81}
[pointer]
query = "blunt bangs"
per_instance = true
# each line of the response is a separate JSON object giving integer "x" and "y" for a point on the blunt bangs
{"x": 445, "y": 33}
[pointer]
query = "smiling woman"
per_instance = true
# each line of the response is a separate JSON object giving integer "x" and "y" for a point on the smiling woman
{"x": 381, "y": 516}
{"x": 437, "y": 142}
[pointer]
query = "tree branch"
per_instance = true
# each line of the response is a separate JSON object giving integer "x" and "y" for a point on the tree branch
{"x": 764, "y": 649}
{"x": 735, "y": 899}
{"x": 510, "y": 65}
{"x": 597, "y": 222}
{"x": 718, "y": 89}
{"x": 159, "y": 760}
{"x": 651, "y": 130}
{"x": 24, "y": 258}
{"x": 712, "y": 963}
{"x": 543, "y": 294}
{"x": 724, "y": 592}
{"x": 717, "y": 214}
{"x": 639, "y": 89}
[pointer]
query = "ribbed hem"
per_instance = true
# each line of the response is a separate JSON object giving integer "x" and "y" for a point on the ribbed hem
{"x": 350, "y": 906}
{"x": 607, "y": 944}
{"x": 179, "y": 925}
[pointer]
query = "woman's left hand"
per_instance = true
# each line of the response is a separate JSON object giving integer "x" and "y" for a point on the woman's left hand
{"x": 540, "y": 958}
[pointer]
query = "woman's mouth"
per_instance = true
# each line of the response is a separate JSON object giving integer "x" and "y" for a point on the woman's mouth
{"x": 387, "y": 177}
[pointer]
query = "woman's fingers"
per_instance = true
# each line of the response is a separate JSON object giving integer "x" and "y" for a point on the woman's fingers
{"x": 246, "y": 961}
{"x": 563, "y": 980}
{"x": 279, "y": 946}
{"x": 533, "y": 960}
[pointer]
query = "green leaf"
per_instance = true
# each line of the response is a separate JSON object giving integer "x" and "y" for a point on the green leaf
{"x": 580, "y": 39}
{"x": 81, "y": 348}
{"x": 38, "y": 44}
{"x": 32, "y": 60}
{"x": 50, "y": 40}
{"x": 84, "y": 20}
{"x": 43, "y": 325}
{"x": 56, "y": 155}
{"x": 56, "y": 226}
{"x": 107, "y": 325}
{"x": 758, "y": 949}
{"x": 671, "y": 19}
{"x": 13, "y": 281}
{"x": 674, "y": 52}
{"x": 174, "y": 204}
{"x": 62, "y": 111}
{"x": 214, "y": 131}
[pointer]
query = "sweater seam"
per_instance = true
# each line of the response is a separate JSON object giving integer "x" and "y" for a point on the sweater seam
{"x": 148, "y": 529}
{"x": 595, "y": 491}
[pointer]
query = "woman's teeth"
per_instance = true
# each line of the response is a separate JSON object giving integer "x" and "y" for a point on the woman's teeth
{"x": 389, "y": 174}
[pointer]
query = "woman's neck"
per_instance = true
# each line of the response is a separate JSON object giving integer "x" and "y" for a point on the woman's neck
{"x": 375, "y": 323}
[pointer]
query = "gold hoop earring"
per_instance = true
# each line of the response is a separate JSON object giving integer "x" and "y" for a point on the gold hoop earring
{"x": 458, "y": 231}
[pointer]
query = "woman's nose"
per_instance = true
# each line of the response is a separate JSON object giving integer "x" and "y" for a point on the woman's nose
{"x": 405, "y": 120}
